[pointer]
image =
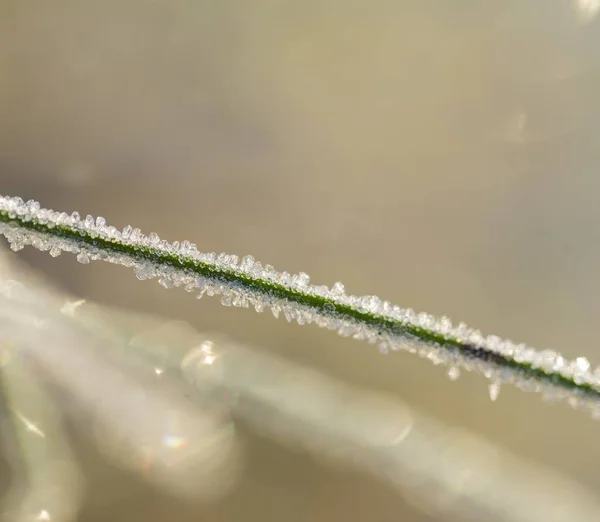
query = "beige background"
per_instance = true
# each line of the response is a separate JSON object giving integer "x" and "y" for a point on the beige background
{"x": 442, "y": 155}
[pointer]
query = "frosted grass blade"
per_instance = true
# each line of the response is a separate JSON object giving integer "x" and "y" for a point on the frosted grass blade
{"x": 248, "y": 283}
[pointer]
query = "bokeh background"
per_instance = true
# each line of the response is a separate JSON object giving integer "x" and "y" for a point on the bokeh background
{"x": 443, "y": 155}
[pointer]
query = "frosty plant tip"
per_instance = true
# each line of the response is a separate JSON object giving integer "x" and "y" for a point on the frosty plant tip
{"x": 248, "y": 283}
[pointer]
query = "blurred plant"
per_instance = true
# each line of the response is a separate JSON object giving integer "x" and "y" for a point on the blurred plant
{"x": 159, "y": 399}
{"x": 248, "y": 283}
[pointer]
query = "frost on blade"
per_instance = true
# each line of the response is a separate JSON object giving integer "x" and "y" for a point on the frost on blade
{"x": 453, "y": 373}
{"x": 247, "y": 283}
{"x": 494, "y": 389}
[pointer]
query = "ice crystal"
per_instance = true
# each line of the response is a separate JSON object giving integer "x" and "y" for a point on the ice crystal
{"x": 247, "y": 283}
{"x": 494, "y": 389}
{"x": 453, "y": 373}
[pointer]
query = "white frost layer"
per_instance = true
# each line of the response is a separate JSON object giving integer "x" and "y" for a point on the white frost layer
{"x": 237, "y": 293}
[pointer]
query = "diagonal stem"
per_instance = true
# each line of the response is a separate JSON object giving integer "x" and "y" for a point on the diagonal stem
{"x": 249, "y": 283}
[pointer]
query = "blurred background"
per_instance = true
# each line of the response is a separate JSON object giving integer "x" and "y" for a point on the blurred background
{"x": 441, "y": 155}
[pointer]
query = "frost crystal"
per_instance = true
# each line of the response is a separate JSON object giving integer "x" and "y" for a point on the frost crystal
{"x": 494, "y": 389}
{"x": 453, "y": 373}
{"x": 246, "y": 283}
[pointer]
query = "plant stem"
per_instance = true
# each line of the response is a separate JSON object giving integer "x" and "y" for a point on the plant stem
{"x": 249, "y": 283}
